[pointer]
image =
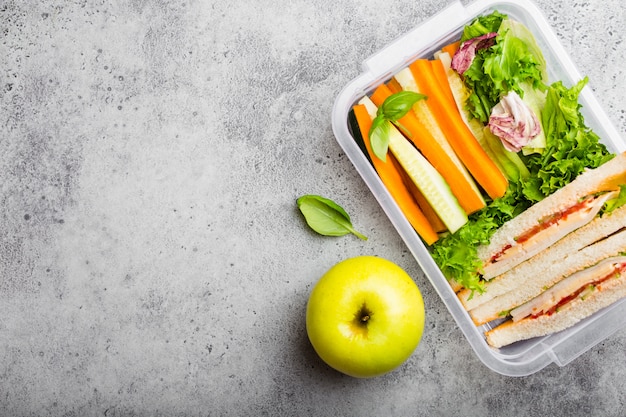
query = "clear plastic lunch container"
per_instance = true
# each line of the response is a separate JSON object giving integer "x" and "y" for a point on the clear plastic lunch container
{"x": 526, "y": 357}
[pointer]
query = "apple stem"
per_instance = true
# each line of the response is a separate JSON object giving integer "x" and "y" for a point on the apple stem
{"x": 363, "y": 315}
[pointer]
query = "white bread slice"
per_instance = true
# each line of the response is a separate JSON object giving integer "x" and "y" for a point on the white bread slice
{"x": 543, "y": 276}
{"x": 606, "y": 176}
{"x": 592, "y": 232}
{"x": 567, "y": 316}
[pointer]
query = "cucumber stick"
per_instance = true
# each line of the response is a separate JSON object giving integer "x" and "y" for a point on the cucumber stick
{"x": 430, "y": 183}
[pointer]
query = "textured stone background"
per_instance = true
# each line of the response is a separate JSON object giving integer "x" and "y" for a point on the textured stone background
{"x": 152, "y": 260}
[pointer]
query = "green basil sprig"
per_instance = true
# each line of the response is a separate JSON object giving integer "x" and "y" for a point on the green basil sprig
{"x": 394, "y": 108}
{"x": 326, "y": 217}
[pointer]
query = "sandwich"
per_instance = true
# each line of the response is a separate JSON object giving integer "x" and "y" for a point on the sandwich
{"x": 482, "y": 307}
{"x": 554, "y": 217}
{"x": 558, "y": 262}
{"x": 546, "y": 223}
{"x": 571, "y": 300}
{"x": 544, "y": 277}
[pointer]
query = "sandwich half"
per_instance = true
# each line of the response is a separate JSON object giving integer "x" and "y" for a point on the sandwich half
{"x": 565, "y": 304}
{"x": 599, "y": 228}
{"x": 541, "y": 277}
{"x": 549, "y": 220}
{"x": 557, "y": 263}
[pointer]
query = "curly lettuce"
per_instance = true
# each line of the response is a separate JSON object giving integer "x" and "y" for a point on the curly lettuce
{"x": 570, "y": 145}
{"x": 483, "y": 25}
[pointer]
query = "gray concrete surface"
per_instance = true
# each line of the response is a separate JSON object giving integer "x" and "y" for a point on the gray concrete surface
{"x": 152, "y": 260}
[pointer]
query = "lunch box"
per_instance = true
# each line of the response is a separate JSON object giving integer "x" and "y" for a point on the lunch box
{"x": 526, "y": 357}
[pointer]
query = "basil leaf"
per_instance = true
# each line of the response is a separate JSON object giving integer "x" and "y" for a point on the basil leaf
{"x": 379, "y": 137}
{"x": 326, "y": 217}
{"x": 394, "y": 108}
{"x": 399, "y": 104}
{"x": 330, "y": 203}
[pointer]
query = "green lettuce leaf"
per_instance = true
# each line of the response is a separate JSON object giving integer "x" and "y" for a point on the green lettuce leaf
{"x": 570, "y": 145}
{"x": 521, "y": 31}
{"x": 618, "y": 202}
{"x": 535, "y": 99}
{"x": 483, "y": 25}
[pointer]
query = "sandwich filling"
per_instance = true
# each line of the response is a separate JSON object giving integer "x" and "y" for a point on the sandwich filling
{"x": 577, "y": 286}
{"x": 548, "y": 231}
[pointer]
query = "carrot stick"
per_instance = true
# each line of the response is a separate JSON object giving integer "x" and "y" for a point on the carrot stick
{"x": 469, "y": 198}
{"x": 392, "y": 180}
{"x": 451, "y": 48}
{"x": 442, "y": 78}
{"x": 482, "y": 168}
{"x": 380, "y": 94}
{"x": 394, "y": 86}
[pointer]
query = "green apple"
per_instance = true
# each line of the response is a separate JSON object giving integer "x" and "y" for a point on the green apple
{"x": 365, "y": 316}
